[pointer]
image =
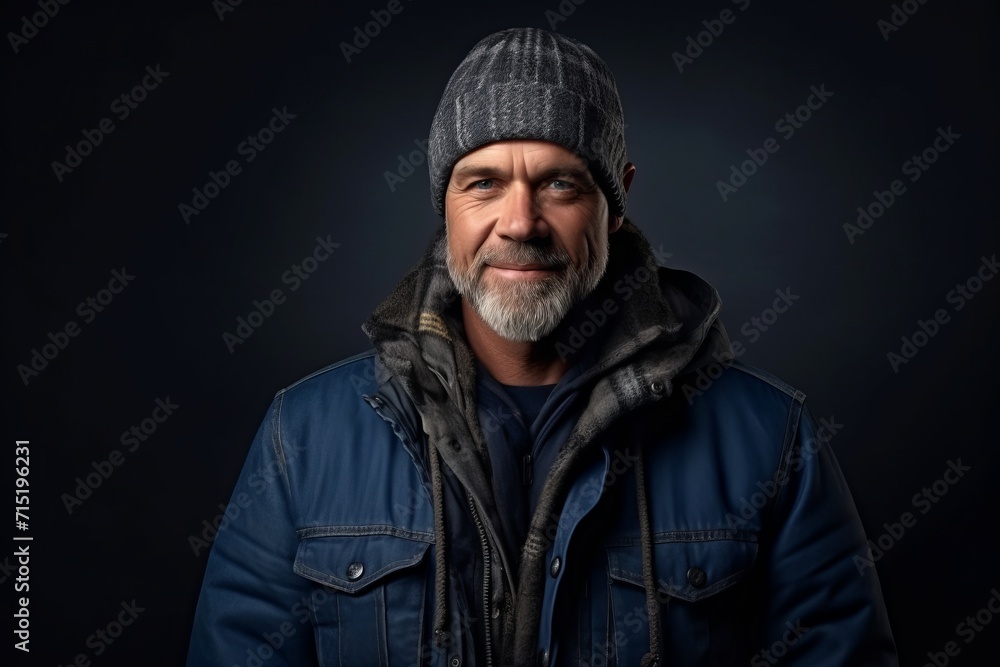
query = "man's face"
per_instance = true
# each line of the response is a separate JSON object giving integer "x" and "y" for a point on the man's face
{"x": 527, "y": 234}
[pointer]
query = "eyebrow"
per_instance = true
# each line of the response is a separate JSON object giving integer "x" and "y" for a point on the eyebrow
{"x": 482, "y": 170}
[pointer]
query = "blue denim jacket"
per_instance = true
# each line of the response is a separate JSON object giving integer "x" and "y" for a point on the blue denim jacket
{"x": 755, "y": 541}
{"x": 757, "y": 549}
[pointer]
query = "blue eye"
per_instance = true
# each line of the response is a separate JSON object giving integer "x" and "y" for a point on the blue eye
{"x": 561, "y": 185}
{"x": 484, "y": 184}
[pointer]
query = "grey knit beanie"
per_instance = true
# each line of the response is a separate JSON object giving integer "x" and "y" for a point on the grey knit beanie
{"x": 528, "y": 83}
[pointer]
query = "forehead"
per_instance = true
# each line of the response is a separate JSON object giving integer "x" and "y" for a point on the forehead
{"x": 534, "y": 154}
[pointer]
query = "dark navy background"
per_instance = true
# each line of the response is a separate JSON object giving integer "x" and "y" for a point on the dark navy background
{"x": 324, "y": 175}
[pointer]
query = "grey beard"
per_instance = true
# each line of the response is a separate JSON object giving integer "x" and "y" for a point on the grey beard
{"x": 527, "y": 310}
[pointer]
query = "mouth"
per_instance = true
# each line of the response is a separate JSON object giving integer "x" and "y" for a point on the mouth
{"x": 523, "y": 271}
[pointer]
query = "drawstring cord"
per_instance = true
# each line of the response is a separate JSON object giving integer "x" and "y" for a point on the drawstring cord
{"x": 440, "y": 562}
{"x": 648, "y": 577}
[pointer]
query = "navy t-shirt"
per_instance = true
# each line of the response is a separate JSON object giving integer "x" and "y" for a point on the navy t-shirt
{"x": 524, "y": 428}
{"x": 529, "y": 400}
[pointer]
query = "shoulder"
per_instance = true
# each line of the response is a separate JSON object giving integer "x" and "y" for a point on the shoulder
{"x": 744, "y": 406}
{"x": 358, "y": 368}
{"x": 761, "y": 381}
{"x": 339, "y": 385}
{"x": 733, "y": 379}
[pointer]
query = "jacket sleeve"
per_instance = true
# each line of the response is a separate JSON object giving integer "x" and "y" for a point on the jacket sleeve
{"x": 253, "y": 609}
{"x": 824, "y": 608}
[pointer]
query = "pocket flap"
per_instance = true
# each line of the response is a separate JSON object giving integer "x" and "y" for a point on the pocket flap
{"x": 690, "y": 569}
{"x": 351, "y": 563}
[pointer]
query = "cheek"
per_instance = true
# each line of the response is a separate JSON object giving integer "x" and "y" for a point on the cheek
{"x": 464, "y": 241}
{"x": 582, "y": 239}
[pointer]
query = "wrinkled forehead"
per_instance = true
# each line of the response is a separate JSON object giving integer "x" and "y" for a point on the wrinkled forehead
{"x": 534, "y": 154}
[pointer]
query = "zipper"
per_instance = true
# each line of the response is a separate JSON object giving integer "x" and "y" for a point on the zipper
{"x": 487, "y": 622}
{"x": 388, "y": 413}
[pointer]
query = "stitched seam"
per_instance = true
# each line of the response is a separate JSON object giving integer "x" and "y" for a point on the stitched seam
{"x": 787, "y": 451}
{"x": 769, "y": 379}
{"x": 685, "y": 537}
{"x": 364, "y": 531}
{"x": 343, "y": 362}
{"x": 331, "y": 580}
{"x": 279, "y": 449}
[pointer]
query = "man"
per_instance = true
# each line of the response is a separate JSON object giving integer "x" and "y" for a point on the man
{"x": 550, "y": 457}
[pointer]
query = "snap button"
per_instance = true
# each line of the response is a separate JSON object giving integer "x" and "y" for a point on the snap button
{"x": 354, "y": 571}
{"x": 656, "y": 387}
{"x": 555, "y": 566}
{"x": 496, "y": 611}
{"x": 455, "y": 662}
{"x": 697, "y": 577}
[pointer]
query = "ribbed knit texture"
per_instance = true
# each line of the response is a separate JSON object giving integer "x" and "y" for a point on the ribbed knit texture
{"x": 528, "y": 83}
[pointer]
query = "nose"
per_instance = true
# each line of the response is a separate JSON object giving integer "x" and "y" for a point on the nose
{"x": 520, "y": 217}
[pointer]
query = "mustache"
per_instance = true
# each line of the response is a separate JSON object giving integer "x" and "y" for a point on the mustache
{"x": 521, "y": 253}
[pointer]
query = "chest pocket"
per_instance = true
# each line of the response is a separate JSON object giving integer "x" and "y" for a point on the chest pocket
{"x": 698, "y": 580}
{"x": 373, "y": 596}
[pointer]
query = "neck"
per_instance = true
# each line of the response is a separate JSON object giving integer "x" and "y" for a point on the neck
{"x": 511, "y": 362}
